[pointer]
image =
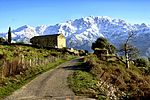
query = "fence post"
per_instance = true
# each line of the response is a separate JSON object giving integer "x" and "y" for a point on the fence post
{"x": 22, "y": 60}
{"x": 30, "y": 62}
{"x": 3, "y": 68}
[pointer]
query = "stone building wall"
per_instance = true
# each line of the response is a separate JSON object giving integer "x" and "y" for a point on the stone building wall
{"x": 61, "y": 41}
{"x": 55, "y": 41}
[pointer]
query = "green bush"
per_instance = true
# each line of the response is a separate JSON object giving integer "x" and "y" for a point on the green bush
{"x": 1, "y": 40}
{"x": 141, "y": 62}
{"x": 102, "y": 43}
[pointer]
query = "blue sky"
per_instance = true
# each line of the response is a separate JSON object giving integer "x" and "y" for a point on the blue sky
{"x": 16, "y": 13}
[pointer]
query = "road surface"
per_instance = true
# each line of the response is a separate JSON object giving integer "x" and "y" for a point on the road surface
{"x": 51, "y": 85}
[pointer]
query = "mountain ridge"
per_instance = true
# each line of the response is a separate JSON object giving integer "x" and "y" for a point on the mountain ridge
{"x": 81, "y": 33}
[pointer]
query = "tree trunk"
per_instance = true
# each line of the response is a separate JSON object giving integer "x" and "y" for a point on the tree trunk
{"x": 126, "y": 56}
{"x": 127, "y": 61}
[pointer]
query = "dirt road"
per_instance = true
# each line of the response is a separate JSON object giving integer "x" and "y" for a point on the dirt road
{"x": 51, "y": 85}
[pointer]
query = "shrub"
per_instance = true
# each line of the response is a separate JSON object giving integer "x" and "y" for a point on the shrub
{"x": 1, "y": 40}
{"x": 102, "y": 43}
{"x": 141, "y": 62}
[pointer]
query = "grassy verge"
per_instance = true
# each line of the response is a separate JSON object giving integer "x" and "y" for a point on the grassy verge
{"x": 12, "y": 84}
{"x": 82, "y": 82}
{"x": 106, "y": 80}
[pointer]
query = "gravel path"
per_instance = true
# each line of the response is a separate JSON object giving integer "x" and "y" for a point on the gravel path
{"x": 51, "y": 85}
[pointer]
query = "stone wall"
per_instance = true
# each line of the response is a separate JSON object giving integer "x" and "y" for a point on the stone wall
{"x": 55, "y": 41}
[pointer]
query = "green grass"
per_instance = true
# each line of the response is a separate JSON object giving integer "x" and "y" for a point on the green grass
{"x": 13, "y": 54}
{"x": 14, "y": 84}
{"x": 82, "y": 83}
{"x": 110, "y": 79}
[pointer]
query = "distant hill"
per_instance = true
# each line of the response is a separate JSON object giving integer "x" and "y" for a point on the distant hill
{"x": 81, "y": 33}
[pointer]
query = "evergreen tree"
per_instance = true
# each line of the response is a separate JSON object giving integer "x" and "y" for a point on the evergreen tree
{"x": 9, "y": 35}
{"x": 102, "y": 43}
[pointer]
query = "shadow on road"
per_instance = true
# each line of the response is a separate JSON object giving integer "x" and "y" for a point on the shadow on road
{"x": 80, "y": 66}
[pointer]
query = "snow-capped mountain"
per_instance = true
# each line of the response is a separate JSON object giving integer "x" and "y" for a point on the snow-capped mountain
{"x": 81, "y": 33}
{"x": 23, "y": 34}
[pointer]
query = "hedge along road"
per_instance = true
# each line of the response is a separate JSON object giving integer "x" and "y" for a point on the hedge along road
{"x": 51, "y": 85}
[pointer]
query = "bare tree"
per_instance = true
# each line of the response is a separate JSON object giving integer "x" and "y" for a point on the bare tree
{"x": 129, "y": 50}
{"x": 126, "y": 49}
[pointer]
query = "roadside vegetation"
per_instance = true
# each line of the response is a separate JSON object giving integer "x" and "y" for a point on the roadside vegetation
{"x": 20, "y": 64}
{"x": 106, "y": 77}
{"x": 110, "y": 80}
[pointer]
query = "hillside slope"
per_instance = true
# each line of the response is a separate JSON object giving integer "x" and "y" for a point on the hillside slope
{"x": 110, "y": 80}
{"x": 20, "y": 64}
